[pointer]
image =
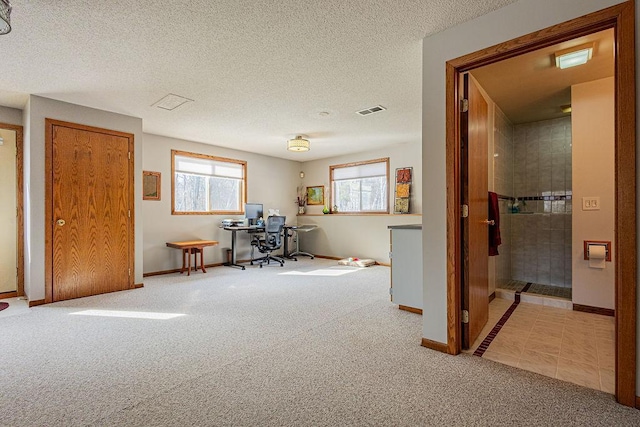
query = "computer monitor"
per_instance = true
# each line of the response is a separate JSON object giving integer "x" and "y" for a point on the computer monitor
{"x": 252, "y": 212}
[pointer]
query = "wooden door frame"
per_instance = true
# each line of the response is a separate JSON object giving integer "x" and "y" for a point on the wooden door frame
{"x": 621, "y": 18}
{"x": 48, "y": 203}
{"x": 19, "y": 203}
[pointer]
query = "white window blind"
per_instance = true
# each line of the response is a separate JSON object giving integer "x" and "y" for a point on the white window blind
{"x": 209, "y": 167}
{"x": 360, "y": 171}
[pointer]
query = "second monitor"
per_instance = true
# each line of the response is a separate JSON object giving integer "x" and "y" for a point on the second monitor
{"x": 253, "y": 212}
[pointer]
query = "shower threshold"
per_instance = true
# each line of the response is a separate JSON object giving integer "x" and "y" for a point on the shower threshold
{"x": 538, "y": 289}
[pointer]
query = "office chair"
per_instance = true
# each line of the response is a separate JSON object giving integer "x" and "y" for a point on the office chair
{"x": 271, "y": 241}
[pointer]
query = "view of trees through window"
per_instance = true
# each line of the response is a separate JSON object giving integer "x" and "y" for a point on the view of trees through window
{"x": 206, "y": 184}
{"x": 360, "y": 195}
{"x": 360, "y": 187}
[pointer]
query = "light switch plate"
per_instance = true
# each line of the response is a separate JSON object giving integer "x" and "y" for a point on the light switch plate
{"x": 591, "y": 203}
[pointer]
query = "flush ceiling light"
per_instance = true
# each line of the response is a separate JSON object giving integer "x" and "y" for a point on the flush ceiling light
{"x": 298, "y": 144}
{"x": 5, "y": 17}
{"x": 574, "y": 56}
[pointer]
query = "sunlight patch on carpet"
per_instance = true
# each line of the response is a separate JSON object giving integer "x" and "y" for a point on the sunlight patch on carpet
{"x": 321, "y": 272}
{"x": 128, "y": 314}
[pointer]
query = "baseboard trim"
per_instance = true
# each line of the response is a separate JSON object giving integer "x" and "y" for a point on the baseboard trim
{"x": 177, "y": 270}
{"x": 138, "y": 285}
{"x": 36, "y": 302}
{"x": 329, "y": 257}
{"x": 410, "y": 309}
{"x": 492, "y": 296}
{"x": 10, "y": 294}
{"x": 435, "y": 345}
{"x": 594, "y": 310}
{"x": 637, "y": 402}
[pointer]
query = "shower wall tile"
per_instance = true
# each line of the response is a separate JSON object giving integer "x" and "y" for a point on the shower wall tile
{"x": 541, "y": 243}
{"x": 504, "y": 163}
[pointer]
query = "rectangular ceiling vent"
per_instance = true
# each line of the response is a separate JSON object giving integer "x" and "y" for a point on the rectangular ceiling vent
{"x": 171, "y": 102}
{"x": 371, "y": 110}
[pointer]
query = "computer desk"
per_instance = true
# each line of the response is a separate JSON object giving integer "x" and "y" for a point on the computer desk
{"x": 234, "y": 229}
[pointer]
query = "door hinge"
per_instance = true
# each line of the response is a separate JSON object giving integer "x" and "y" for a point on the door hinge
{"x": 390, "y": 254}
{"x": 129, "y": 213}
{"x": 464, "y": 211}
{"x": 129, "y": 272}
{"x": 390, "y": 291}
{"x": 464, "y": 105}
{"x": 129, "y": 155}
{"x": 465, "y": 316}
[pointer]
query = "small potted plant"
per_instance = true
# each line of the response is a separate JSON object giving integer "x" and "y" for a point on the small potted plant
{"x": 301, "y": 200}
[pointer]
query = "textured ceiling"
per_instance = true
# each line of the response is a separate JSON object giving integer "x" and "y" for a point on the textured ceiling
{"x": 259, "y": 71}
{"x": 530, "y": 88}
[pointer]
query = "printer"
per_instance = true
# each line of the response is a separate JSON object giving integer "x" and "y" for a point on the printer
{"x": 230, "y": 222}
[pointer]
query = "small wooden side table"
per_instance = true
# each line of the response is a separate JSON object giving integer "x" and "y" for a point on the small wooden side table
{"x": 192, "y": 247}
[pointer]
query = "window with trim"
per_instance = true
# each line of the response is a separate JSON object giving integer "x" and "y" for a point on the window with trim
{"x": 361, "y": 187}
{"x": 203, "y": 184}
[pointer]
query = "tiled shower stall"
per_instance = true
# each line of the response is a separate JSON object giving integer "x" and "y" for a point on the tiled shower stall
{"x": 532, "y": 162}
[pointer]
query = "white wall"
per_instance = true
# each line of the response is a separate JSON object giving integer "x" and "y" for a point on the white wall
{"x": 10, "y": 116}
{"x": 359, "y": 236}
{"x": 362, "y": 236}
{"x": 593, "y": 130}
{"x": 9, "y": 247}
{"x": 270, "y": 181}
{"x": 504, "y": 24}
{"x": 34, "y": 115}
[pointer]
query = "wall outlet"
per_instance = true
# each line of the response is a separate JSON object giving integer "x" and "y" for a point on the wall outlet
{"x": 591, "y": 203}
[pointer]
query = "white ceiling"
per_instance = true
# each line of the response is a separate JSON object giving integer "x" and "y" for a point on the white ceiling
{"x": 529, "y": 87}
{"x": 259, "y": 71}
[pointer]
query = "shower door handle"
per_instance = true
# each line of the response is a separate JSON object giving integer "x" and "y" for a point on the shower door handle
{"x": 489, "y": 222}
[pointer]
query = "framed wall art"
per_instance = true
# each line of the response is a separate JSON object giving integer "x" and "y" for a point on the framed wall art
{"x": 150, "y": 185}
{"x": 315, "y": 195}
{"x": 403, "y": 190}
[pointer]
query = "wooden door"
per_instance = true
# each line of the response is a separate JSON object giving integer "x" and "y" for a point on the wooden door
{"x": 91, "y": 211}
{"x": 8, "y": 207}
{"x": 475, "y": 294}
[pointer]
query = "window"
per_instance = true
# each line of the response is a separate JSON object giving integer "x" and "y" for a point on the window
{"x": 361, "y": 187}
{"x": 204, "y": 184}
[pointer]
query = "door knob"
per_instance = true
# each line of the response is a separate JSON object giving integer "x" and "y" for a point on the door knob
{"x": 489, "y": 222}
{"x": 61, "y": 222}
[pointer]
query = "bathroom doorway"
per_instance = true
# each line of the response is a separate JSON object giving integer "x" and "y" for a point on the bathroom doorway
{"x": 620, "y": 19}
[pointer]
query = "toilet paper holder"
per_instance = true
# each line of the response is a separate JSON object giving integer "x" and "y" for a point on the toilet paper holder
{"x": 604, "y": 243}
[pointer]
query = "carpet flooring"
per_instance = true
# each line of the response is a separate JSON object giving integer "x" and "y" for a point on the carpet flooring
{"x": 310, "y": 343}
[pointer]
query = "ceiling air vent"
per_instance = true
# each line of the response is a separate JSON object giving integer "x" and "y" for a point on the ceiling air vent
{"x": 171, "y": 102}
{"x": 371, "y": 110}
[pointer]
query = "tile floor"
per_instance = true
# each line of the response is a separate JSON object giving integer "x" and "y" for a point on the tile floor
{"x": 559, "y": 343}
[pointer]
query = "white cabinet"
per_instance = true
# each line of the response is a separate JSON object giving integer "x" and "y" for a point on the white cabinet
{"x": 406, "y": 266}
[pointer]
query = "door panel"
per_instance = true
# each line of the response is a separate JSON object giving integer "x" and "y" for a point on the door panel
{"x": 90, "y": 212}
{"x": 8, "y": 208}
{"x": 475, "y": 233}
